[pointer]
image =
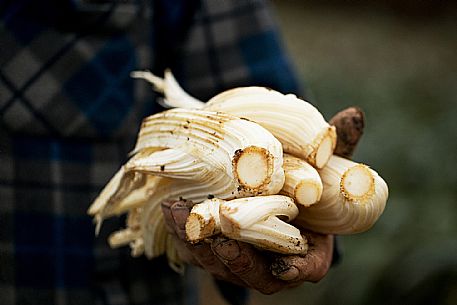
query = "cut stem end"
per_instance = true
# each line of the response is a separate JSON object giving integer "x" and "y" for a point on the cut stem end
{"x": 325, "y": 148}
{"x": 197, "y": 228}
{"x": 253, "y": 167}
{"x": 307, "y": 193}
{"x": 357, "y": 183}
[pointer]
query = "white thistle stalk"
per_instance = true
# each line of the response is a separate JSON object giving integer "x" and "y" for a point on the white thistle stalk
{"x": 227, "y": 144}
{"x": 253, "y": 220}
{"x": 353, "y": 199}
{"x": 203, "y": 220}
{"x": 302, "y": 183}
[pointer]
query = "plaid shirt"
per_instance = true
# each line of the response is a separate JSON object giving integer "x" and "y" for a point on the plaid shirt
{"x": 70, "y": 113}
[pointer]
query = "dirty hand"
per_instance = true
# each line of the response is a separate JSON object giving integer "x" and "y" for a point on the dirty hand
{"x": 242, "y": 264}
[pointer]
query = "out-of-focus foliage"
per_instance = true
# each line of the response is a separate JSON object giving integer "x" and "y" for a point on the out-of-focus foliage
{"x": 402, "y": 70}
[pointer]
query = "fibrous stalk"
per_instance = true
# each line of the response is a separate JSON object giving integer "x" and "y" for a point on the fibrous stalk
{"x": 353, "y": 199}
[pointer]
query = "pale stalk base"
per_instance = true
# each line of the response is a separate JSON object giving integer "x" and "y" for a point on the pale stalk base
{"x": 324, "y": 149}
{"x": 253, "y": 167}
{"x": 199, "y": 228}
{"x": 307, "y": 193}
{"x": 357, "y": 183}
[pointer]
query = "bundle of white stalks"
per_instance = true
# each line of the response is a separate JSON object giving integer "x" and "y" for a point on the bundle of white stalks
{"x": 298, "y": 125}
{"x": 258, "y": 165}
{"x": 253, "y": 220}
{"x": 199, "y": 153}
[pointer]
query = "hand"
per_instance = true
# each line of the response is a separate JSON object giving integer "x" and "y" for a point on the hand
{"x": 242, "y": 264}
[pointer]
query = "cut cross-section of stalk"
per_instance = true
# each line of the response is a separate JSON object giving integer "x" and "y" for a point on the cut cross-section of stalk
{"x": 302, "y": 183}
{"x": 203, "y": 220}
{"x": 353, "y": 199}
{"x": 297, "y": 124}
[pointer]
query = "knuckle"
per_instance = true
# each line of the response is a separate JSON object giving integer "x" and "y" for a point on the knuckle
{"x": 242, "y": 264}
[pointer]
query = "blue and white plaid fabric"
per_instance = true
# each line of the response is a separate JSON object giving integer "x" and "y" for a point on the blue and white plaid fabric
{"x": 70, "y": 113}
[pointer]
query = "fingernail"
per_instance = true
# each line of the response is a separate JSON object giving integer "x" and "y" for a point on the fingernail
{"x": 290, "y": 274}
{"x": 284, "y": 271}
{"x": 227, "y": 249}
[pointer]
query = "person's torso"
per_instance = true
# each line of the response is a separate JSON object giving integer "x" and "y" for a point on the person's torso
{"x": 64, "y": 68}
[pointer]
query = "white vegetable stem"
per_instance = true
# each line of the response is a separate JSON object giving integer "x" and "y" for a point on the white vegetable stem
{"x": 203, "y": 220}
{"x": 234, "y": 157}
{"x": 302, "y": 183}
{"x": 353, "y": 199}
{"x": 242, "y": 150}
{"x": 253, "y": 220}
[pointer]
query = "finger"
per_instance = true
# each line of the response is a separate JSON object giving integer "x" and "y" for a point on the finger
{"x": 180, "y": 245}
{"x": 248, "y": 264}
{"x": 176, "y": 213}
{"x": 207, "y": 260}
{"x": 166, "y": 211}
{"x": 349, "y": 125}
{"x": 185, "y": 254}
{"x": 312, "y": 266}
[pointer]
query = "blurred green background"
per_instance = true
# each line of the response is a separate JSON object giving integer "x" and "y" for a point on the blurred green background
{"x": 397, "y": 61}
